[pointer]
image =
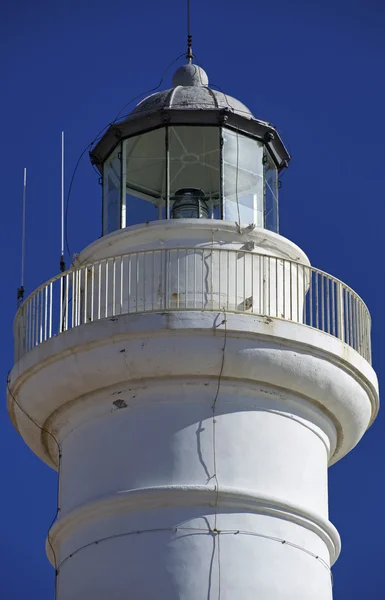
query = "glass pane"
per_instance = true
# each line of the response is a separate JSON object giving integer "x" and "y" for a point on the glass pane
{"x": 270, "y": 178}
{"x": 144, "y": 164}
{"x": 243, "y": 179}
{"x": 111, "y": 192}
{"x": 194, "y": 172}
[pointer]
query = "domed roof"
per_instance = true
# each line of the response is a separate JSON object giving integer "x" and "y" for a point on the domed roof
{"x": 191, "y": 92}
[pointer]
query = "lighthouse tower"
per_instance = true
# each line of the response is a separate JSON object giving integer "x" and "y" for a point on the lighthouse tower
{"x": 192, "y": 376}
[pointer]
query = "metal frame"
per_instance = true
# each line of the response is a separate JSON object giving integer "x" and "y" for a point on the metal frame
{"x": 121, "y": 187}
{"x": 264, "y": 194}
{"x": 143, "y": 123}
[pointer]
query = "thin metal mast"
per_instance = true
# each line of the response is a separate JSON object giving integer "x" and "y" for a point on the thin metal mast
{"x": 189, "y": 54}
{"x": 62, "y": 261}
{"x": 20, "y": 291}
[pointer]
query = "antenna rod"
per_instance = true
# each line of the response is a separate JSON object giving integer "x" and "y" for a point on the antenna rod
{"x": 62, "y": 261}
{"x": 20, "y": 291}
{"x": 189, "y": 54}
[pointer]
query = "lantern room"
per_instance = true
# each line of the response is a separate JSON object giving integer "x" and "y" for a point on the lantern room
{"x": 190, "y": 152}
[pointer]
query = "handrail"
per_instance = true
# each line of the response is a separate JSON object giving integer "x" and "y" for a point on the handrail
{"x": 193, "y": 279}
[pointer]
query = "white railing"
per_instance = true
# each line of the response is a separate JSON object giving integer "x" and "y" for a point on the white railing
{"x": 193, "y": 279}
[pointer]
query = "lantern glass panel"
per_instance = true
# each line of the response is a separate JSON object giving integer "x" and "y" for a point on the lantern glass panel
{"x": 243, "y": 179}
{"x": 144, "y": 174}
{"x": 195, "y": 167}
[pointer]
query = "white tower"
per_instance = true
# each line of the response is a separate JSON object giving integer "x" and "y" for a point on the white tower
{"x": 198, "y": 375}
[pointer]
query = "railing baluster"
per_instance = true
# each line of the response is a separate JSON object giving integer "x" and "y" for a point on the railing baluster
{"x": 72, "y": 300}
{"x": 311, "y": 287}
{"x": 212, "y": 279}
{"x": 203, "y": 278}
{"x": 66, "y": 302}
{"x": 36, "y": 320}
{"x": 252, "y": 281}
{"x": 333, "y": 309}
{"x": 276, "y": 288}
{"x": 291, "y": 291}
{"x": 137, "y": 281}
{"x": 61, "y": 312}
{"x": 144, "y": 255}
{"x": 218, "y": 254}
{"x": 259, "y": 285}
{"x": 304, "y": 294}
{"x": 32, "y": 323}
{"x": 39, "y": 331}
{"x": 346, "y": 312}
{"x": 25, "y": 325}
{"x": 45, "y": 312}
{"x": 39, "y": 328}
{"x": 99, "y": 290}
{"x": 162, "y": 280}
{"x": 268, "y": 286}
{"x": 236, "y": 282}
{"x": 153, "y": 281}
{"x": 340, "y": 312}
{"x": 298, "y": 319}
{"x": 76, "y": 298}
{"x": 78, "y": 295}
{"x": 195, "y": 279}
{"x": 106, "y": 284}
{"x": 50, "y": 311}
{"x": 129, "y": 284}
{"x": 113, "y": 286}
{"x": 92, "y": 292}
{"x": 121, "y": 285}
{"x": 85, "y": 314}
{"x": 351, "y": 338}
{"x": 177, "y": 278}
{"x": 228, "y": 278}
{"x": 244, "y": 282}
{"x": 185, "y": 278}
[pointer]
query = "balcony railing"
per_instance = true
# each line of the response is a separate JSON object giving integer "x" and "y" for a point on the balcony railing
{"x": 193, "y": 279}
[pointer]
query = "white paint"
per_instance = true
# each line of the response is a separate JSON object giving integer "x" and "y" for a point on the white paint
{"x": 170, "y": 488}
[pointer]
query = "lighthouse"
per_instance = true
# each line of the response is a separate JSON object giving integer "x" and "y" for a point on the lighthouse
{"x": 192, "y": 376}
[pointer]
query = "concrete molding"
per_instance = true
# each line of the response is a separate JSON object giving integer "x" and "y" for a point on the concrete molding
{"x": 305, "y": 361}
{"x": 189, "y": 495}
{"x": 322, "y": 425}
{"x": 199, "y": 233}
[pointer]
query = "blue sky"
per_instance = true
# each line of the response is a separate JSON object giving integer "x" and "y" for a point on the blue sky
{"x": 316, "y": 70}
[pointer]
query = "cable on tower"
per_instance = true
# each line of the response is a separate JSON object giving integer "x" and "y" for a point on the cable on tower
{"x": 49, "y": 433}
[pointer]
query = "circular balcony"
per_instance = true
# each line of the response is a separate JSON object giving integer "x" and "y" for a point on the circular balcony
{"x": 182, "y": 279}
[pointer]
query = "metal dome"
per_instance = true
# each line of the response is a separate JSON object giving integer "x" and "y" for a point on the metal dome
{"x": 192, "y": 97}
{"x": 190, "y": 91}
